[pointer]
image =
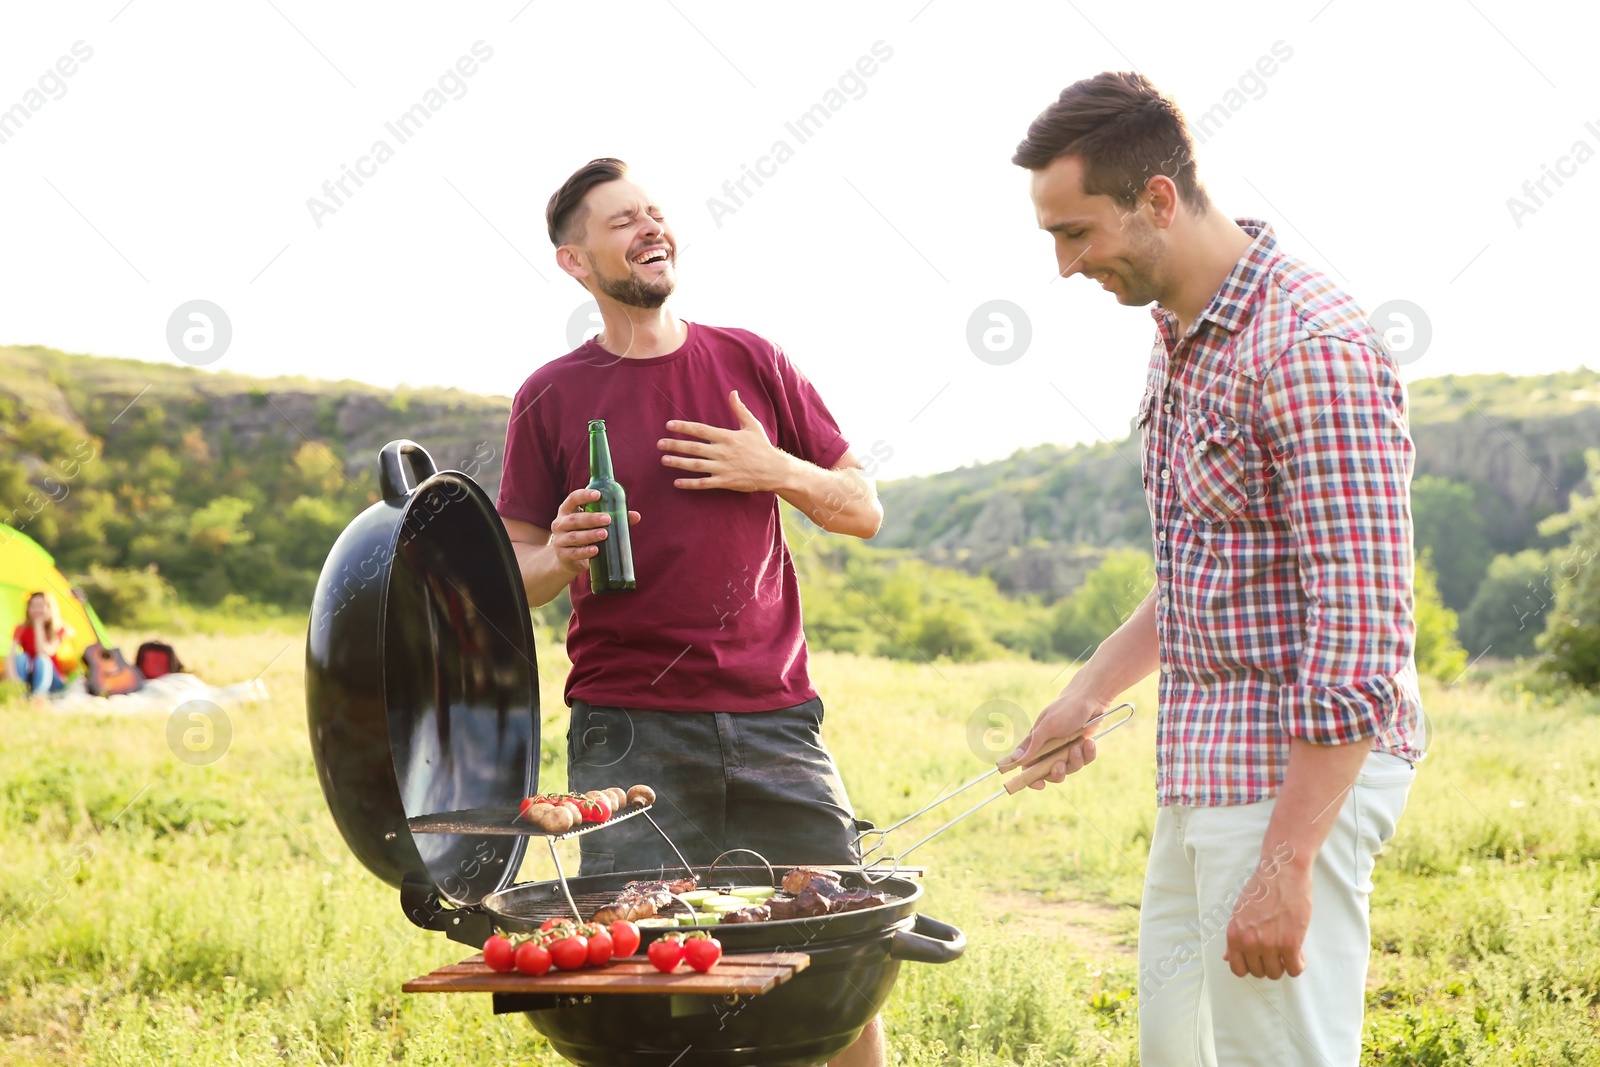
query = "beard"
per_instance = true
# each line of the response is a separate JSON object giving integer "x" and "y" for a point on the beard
{"x": 633, "y": 290}
{"x": 1146, "y": 254}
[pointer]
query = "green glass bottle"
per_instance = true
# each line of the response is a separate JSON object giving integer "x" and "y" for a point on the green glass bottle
{"x": 610, "y": 569}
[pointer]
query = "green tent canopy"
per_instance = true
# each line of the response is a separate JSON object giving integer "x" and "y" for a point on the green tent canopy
{"x": 25, "y": 568}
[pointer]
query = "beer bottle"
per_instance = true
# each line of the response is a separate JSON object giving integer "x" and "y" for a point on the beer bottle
{"x": 610, "y": 569}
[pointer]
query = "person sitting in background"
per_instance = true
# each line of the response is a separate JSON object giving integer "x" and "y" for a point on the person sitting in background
{"x": 35, "y": 646}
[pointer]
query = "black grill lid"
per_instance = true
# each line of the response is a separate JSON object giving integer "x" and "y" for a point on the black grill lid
{"x": 422, "y": 692}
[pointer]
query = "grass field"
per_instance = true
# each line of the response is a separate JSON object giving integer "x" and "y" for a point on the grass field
{"x": 158, "y": 913}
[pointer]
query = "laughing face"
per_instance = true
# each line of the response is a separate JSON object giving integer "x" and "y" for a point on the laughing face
{"x": 1098, "y": 237}
{"x": 627, "y": 246}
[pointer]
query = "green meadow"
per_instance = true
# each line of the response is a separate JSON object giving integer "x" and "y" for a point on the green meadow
{"x": 158, "y": 913}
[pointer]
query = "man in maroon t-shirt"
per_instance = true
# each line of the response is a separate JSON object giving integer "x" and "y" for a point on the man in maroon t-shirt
{"x": 696, "y": 682}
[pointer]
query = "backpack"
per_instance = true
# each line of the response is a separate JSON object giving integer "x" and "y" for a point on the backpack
{"x": 156, "y": 658}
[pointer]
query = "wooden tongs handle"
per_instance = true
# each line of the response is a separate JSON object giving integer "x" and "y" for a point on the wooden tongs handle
{"x": 1038, "y": 767}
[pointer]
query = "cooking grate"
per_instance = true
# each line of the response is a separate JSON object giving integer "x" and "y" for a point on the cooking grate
{"x": 551, "y": 903}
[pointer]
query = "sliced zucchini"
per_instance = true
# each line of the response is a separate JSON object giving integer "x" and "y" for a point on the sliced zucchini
{"x": 725, "y": 904}
{"x": 695, "y": 896}
{"x": 754, "y": 892}
{"x": 656, "y": 921}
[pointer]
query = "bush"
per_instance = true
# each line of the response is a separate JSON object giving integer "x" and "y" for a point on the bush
{"x": 1102, "y": 603}
{"x": 1439, "y": 654}
{"x": 128, "y": 597}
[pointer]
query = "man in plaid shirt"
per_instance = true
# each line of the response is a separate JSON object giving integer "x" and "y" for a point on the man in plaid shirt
{"x": 1277, "y": 468}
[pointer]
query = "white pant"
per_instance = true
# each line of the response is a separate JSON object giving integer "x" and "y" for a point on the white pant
{"x": 1192, "y": 1009}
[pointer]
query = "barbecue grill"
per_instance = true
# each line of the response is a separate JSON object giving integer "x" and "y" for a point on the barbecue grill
{"x": 423, "y": 708}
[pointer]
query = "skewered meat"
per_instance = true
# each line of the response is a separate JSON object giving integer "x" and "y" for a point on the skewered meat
{"x": 641, "y": 900}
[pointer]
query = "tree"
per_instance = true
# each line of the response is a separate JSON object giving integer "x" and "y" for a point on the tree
{"x": 1571, "y": 640}
{"x": 1509, "y": 610}
{"x": 1446, "y": 522}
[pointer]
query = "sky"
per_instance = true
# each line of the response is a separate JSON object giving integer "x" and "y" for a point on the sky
{"x": 184, "y": 158}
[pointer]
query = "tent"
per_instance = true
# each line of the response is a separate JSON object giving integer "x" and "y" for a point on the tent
{"x": 26, "y": 568}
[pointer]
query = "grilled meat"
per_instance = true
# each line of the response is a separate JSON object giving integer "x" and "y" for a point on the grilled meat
{"x": 820, "y": 897}
{"x": 779, "y": 908}
{"x": 800, "y": 877}
{"x": 856, "y": 899}
{"x": 760, "y": 913}
{"x": 641, "y": 900}
{"x": 807, "y": 904}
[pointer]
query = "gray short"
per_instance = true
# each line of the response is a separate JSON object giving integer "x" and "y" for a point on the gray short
{"x": 760, "y": 780}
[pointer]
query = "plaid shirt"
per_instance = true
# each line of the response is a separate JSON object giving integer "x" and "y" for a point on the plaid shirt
{"x": 1277, "y": 467}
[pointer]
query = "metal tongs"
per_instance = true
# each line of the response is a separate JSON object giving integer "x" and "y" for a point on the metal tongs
{"x": 884, "y": 866}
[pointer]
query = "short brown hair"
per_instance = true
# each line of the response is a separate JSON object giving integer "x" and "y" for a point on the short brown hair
{"x": 1124, "y": 130}
{"x": 563, "y": 215}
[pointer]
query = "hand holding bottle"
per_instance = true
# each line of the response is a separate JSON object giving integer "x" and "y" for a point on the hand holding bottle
{"x": 576, "y": 534}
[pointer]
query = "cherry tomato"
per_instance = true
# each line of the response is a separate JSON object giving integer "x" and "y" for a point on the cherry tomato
{"x": 600, "y": 947}
{"x": 570, "y": 953}
{"x": 666, "y": 953}
{"x": 551, "y": 924}
{"x": 533, "y": 958}
{"x": 624, "y": 938}
{"x": 498, "y": 953}
{"x": 595, "y": 809}
{"x": 522, "y": 809}
{"x": 702, "y": 952}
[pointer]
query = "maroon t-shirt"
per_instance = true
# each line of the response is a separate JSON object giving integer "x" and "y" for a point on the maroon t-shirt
{"x": 714, "y": 624}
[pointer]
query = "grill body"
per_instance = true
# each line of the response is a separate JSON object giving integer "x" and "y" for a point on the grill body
{"x": 855, "y": 959}
{"x": 422, "y": 698}
{"x": 806, "y": 1020}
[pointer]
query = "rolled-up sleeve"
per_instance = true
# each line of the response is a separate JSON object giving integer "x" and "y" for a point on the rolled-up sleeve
{"x": 1334, "y": 412}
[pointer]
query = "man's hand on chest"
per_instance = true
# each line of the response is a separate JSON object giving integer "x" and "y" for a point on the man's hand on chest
{"x": 742, "y": 459}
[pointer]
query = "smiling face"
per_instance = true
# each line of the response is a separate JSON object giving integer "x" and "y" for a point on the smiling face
{"x": 1120, "y": 247}
{"x": 627, "y": 246}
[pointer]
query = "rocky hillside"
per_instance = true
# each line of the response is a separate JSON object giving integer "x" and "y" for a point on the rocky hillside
{"x": 190, "y": 457}
{"x": 1038, "y": 520}
{"x": 116, "y": 400}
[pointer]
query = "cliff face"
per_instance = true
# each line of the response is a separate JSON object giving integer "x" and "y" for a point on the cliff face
{"x": 1523, "y": 469}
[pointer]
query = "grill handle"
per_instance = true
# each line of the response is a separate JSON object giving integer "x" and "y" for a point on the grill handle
{"x": 928, "y": 941}
{"x": 392, "y": 463}
{"x": 420, "y": 901}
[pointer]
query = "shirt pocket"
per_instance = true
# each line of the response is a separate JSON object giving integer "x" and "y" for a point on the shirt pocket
{"x": 1213, "y": 466}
